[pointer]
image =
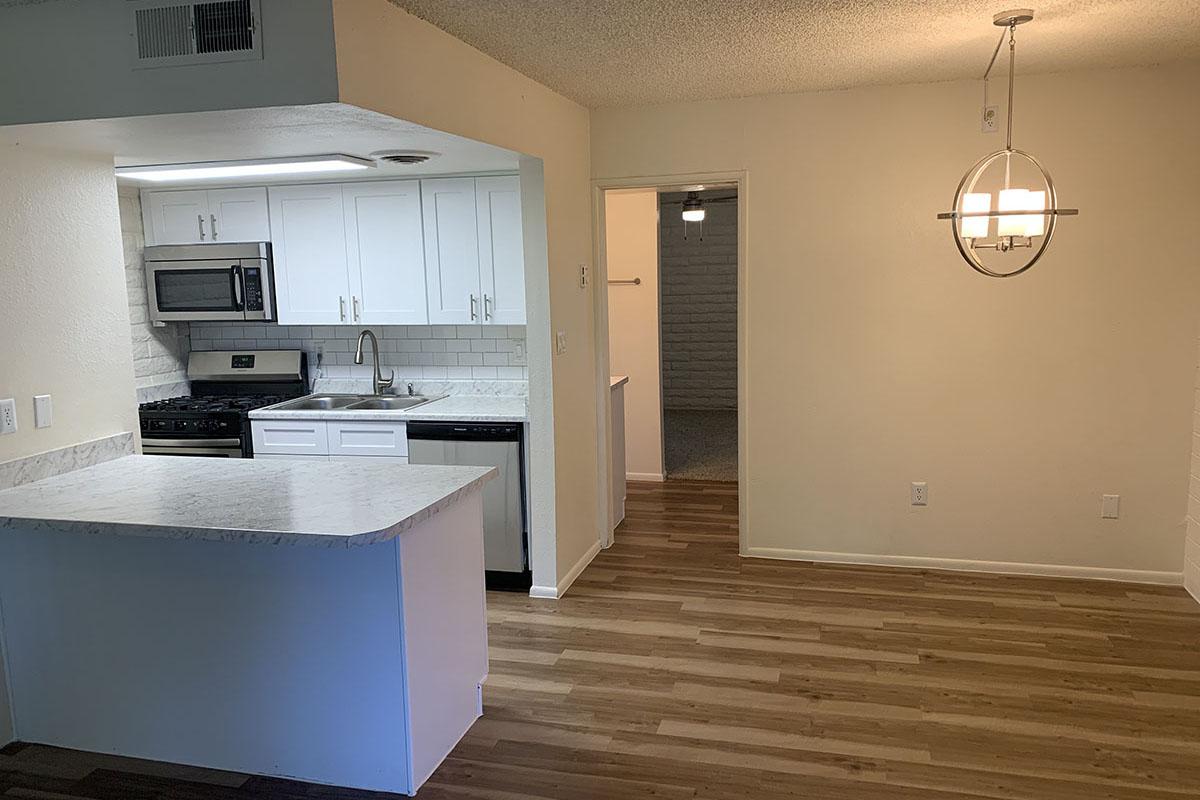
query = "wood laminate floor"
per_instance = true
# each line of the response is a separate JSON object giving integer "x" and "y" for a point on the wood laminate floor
{"x": 674, "y": 669}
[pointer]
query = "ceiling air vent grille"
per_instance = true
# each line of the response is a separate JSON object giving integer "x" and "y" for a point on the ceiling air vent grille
{"x": 170, "y": 33}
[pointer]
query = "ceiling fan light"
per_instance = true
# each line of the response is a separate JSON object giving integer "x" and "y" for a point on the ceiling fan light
{"x": 693, "y": 208}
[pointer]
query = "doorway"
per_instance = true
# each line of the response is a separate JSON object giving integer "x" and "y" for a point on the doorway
{"x": 698, "y": 309}
{"x": 678, "y": 306}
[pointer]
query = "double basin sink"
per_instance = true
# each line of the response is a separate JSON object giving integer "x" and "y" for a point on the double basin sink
{"x": 353, "y": 402}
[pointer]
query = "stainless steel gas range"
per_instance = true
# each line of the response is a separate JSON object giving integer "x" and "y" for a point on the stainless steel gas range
{"x": 226, "y": 385}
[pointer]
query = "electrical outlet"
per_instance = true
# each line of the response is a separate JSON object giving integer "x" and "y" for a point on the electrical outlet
{"x": 1110, "y": 506}
{"x": 43, "y": 411}
{"x": 584, "y": 279}
{"x": 990, "y": 122}
{"x": 560, "y": 343}
{"x": 8, "y": 416}
{"x": 919, "y": 493}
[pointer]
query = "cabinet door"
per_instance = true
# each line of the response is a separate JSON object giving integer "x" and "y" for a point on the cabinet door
{"x": 239, "y": 215}
{"x": 501, "y": 250}
{"x": 300, "y": 437}
{"x": 385, "y": 252}
{"x": 451, "y": 251}
{"x": 176, "y": 217}
{"x": 308, "y": 235}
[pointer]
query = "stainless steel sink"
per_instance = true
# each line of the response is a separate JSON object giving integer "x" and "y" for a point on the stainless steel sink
{"x": 353, "y": 402}
{"x": 388, "y": 403}
{"x": 321, "y": 402}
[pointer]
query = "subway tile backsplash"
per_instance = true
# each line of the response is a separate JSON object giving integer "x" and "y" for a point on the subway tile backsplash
{"x": 427, "y": 352}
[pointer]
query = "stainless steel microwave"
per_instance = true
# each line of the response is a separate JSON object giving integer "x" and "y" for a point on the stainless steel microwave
{"x": 210, "y": 282}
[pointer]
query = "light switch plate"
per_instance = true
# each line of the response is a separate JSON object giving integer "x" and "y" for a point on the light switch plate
{"x": 43, "y": 411}
{"x": 560, "y": 343}
{"x": 1110, "y": 506}
{"x": 8, "y": 416}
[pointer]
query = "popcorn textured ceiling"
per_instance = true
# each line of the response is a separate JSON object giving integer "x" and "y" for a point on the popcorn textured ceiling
{"x": 624, "y": 52}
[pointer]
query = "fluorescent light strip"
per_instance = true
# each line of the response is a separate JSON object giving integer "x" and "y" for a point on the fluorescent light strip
{"x": 208, "y": 170}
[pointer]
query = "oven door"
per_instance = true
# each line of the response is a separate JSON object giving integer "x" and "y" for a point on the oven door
{"x": 204, "y": 448}
{"x": 183, "y": 291}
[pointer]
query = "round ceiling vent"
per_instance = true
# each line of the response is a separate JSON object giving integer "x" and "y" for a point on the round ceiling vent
{"x": 403, "y": 157}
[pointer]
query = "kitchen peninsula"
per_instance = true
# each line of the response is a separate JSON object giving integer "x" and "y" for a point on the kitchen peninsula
{"x": 323, "y": 622}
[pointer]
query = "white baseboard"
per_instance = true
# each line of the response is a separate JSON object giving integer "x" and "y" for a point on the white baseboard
{"x": 555, "y": 592}
{"x": 967, "y": 565}
{"x": 653, "y": 477}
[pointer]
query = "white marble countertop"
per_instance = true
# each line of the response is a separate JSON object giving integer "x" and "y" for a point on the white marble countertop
{"x": 455, "y": 408}
{"x": 275, "y": 501}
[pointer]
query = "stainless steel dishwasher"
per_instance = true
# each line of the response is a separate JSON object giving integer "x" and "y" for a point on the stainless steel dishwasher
{"x": 486, "y": 444}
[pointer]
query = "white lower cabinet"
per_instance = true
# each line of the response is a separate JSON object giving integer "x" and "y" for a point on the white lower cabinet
{"x": 330, "y": 440}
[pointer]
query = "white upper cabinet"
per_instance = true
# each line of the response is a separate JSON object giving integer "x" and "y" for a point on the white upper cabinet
{"x": 239, "y": 215}
{"x": 308, "y": 236}
{"x": 501, "y": 250}
{"x": 201, "y": 216}
{"x": 451, "y": 251}
{"x": 175, "y": 217}
{"x": 385, "y": 253}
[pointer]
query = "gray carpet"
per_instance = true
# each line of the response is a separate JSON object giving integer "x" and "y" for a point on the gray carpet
{"x": 701, "y": 445}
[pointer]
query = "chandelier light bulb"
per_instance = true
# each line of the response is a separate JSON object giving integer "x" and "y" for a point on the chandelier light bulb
{"x": 975, "y": 203}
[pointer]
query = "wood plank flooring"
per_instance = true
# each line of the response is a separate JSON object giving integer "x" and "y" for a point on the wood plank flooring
{"x": 675, "y": 669}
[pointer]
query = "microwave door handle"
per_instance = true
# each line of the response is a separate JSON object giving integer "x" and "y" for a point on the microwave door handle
{"x": 237, "y": 279}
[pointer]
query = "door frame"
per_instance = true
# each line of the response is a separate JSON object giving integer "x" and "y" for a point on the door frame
{"x": 740, "y": 180}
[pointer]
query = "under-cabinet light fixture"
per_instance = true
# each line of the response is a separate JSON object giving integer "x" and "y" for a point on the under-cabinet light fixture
{"x": 259, "y": 167}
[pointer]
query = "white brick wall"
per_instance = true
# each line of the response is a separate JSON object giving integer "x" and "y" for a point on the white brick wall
{"x": 699, "y": 305}
{"x": 1191, "y": 553}
{"x": 427, "y": 352}
{"x": 159, "y": 354}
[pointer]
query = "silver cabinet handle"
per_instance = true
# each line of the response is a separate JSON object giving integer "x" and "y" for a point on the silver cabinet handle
{"x": 213, "y": 217}
{"x": 342, "y": 307}
{"x": 474, "y": 316}
{"x": 487, "y": 307}
{"x": 356, "y": 308}
{"x": 200, "y": 223}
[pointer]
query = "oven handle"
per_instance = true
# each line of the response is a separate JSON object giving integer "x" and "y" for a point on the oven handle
{"x": 154, "y": 441}
{"x": 237, "y": 280}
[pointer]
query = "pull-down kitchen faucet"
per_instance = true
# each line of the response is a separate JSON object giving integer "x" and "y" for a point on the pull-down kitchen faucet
{"x": 379, "y": 383}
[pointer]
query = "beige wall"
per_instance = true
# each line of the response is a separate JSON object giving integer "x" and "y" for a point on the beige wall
{"x": 392, "y": 62}
{"x": 65, "y": 320}
{"x": 631, "y": 246}
{"x": 878, "y": 358}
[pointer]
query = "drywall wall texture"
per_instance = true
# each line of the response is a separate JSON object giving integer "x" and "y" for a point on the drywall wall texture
{"x": 699, "y": 304}
{"x": 425, "y": 352}
{"x": 1191, "y": 545}
{"x": 877, "y": 357}
{"x": 78, "y": 61}
{"x": 390, "y": 61}
{"x": 631, "y": 247}
{"x": 65, "y": 319}
{"x": 159, "y": 353}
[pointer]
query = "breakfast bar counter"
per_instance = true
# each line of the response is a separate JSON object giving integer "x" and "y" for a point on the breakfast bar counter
{"x": 323, "y": 622}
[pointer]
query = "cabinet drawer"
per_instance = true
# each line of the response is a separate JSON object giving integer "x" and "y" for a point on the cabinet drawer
{"x": 289, "y": 437}
{"x": 368, "y": 439}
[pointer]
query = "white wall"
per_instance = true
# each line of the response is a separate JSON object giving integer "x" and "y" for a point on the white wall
{"x": 64, "y": 320}
{"x": 631, "y": 245}
{"x": 1191, "y": 547}
{"x": 876, "y": 357}
{"x": 159, "y": 353}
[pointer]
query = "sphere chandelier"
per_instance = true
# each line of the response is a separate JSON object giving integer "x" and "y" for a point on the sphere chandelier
{"x": 1023, "y": 216}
